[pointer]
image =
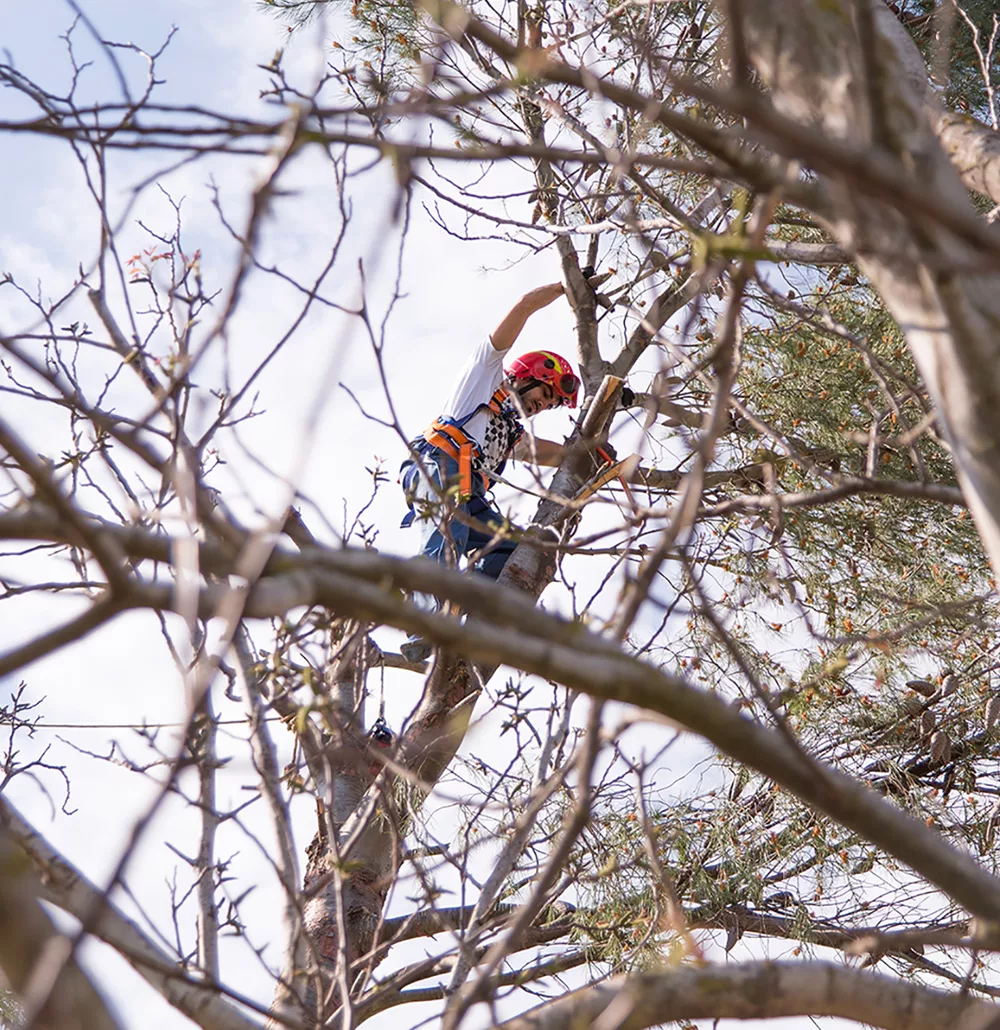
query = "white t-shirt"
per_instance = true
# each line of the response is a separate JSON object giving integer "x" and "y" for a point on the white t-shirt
{"x": 477, "y": 382}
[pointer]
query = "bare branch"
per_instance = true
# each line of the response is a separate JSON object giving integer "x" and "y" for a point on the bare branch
{"x": 760, "y": 990}
{"x": 31, "y": 950}
{"x": 68, "y": 889}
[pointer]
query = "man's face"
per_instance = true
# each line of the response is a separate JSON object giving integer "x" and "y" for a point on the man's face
{"x": 539, "y": 398}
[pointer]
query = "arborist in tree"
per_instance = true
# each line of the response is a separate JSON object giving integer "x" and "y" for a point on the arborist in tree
{"x": 463, "y": 449}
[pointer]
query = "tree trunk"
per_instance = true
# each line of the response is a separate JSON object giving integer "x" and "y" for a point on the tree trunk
{"x": 341, "y": 890}
{"x": 435, "y": 733}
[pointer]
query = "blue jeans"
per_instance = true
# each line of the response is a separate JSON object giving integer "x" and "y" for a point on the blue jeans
{"x": 446, "y": 538}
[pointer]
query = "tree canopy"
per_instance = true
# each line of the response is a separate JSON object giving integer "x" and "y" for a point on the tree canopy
{"x": 736, "y": 701}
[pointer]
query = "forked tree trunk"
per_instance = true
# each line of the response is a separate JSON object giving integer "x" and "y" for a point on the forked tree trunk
{"x": 336, "y": 893}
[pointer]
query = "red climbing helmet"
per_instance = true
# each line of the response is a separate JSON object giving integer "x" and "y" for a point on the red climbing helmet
{"x": 550, "y": 368}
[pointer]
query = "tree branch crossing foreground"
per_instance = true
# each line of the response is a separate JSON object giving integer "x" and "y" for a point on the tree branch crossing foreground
{"x": 799, "y": 571}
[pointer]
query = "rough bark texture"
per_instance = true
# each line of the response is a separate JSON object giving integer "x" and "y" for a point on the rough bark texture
{"x": 974, "y": 151}
{"x": 760, "y": 990}
{"x": 973, "y": 148}
{"x": 340, "y": 887}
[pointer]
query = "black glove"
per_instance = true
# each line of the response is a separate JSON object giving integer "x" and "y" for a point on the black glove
{"x": 588, "y": 272}
{"x": 628, "y": 397}
{"x": 607, "y": 452}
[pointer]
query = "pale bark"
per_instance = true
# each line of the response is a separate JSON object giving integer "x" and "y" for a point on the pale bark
{"x": 973, "y": 148}
{"x": 208, "y": 923}
{"x": 807, "y": 253}
{"x": 760, "y": 990}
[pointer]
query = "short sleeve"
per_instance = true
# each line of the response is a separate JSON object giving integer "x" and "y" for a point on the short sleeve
{"x": 476, "y": 383}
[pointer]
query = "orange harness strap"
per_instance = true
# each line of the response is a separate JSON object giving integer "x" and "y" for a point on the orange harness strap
{"x": 459, "y": 446}
{"x": 499, "y": 396}
{"x": 450, "y": 437}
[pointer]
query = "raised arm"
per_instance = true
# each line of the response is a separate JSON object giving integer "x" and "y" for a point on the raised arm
{"x": 509, "y": 329}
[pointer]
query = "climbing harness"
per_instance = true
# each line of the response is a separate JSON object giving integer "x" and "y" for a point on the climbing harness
{"x": 448, "y": 435}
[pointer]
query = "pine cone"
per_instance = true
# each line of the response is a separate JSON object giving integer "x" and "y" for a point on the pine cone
{"x": 922, "y": 687}
{"x": 940, "y": 747}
